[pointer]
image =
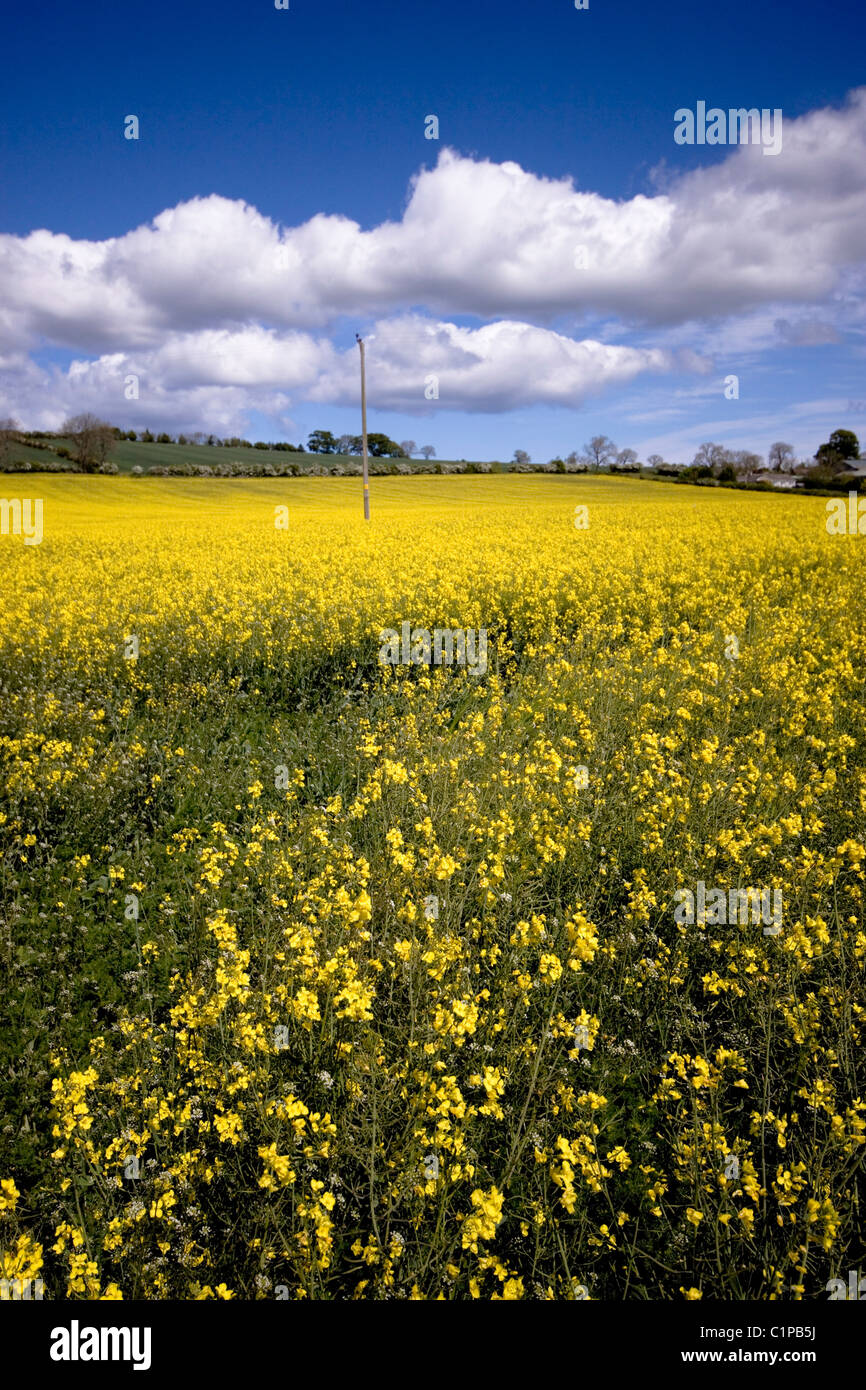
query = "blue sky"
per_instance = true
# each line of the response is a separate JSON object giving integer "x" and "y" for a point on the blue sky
{"x": 260, "y": 121}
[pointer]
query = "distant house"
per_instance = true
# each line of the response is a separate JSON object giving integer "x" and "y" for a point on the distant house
{"x": 854, "y": 468}
{"x": 783, "y": 481}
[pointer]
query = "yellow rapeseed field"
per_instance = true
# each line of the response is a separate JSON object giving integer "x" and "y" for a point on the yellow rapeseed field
{"x": 337, "y": 978}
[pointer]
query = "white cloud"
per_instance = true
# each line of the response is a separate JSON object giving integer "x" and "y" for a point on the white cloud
{"x": 497, "y": 367}
{"x": 501, "y": 366}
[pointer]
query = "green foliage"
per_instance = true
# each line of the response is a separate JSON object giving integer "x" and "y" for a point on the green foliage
{"x": 845, "y": 443}
{"x": 322, "y": 442}
{"x": 380, "y": 446}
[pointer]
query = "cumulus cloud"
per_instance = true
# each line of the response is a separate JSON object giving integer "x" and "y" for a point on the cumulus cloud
{"x": 213, "y": 295}
{"x": 413, "y": 362}
{"x": 500, "y": 366}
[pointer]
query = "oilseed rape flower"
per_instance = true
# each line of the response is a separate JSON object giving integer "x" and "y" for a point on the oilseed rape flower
{"x": 9, "y": 1195}
{"x": 358, "y": 981}
{"x": 482, "y": 1223}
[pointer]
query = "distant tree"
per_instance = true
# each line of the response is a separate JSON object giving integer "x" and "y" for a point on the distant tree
{"x": 130, "y": 434}
{"x": 558, "y": 465}
{"x": 322, "y": 442}
{"x": 715, "y": 458}
{"x": 521, "y": 458}
{"x": 823, "y": 471}
{"x": 380, "y": 446}
{"x": 344, "y": 443}
{"x": 164, "y": 438}
{"x": 197, "y": 438}
{"x": 712, "y": 456}
{"x": 744, "y": 461}
{"x": 626, "y": 458}
{"x": 211, "y": 439}
{"x": 428, "y": 451}
{"x": 843, "y": 442}
{"x": 8, "y": 436}
{"x": 92, "y": 439}
{"x": 182, "y": 439}
{"x": 599, "y": 452}
{"x": 103, "y": 443}
{"x": 781, "y": 457}
{"x": 258, "y": 444}
{"x": 831, "y": 457}
{"x": 827, "y": 463}
{"x": 409, "y": 447}
{"x": 655, "y": 461}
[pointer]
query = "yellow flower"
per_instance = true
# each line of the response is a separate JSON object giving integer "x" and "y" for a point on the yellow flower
{"x": 550, "y": 969}
{"x": 9, "y": 1195}
{"x": 481, "y": 1225}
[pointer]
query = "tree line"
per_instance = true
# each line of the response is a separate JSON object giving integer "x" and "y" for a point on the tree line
{"x": 378, "y": 445}
{"x": 91, "y": 441}
{"x": 713, "y": 460}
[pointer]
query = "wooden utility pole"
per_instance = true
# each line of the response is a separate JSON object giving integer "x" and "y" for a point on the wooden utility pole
{"x": 364, "y": 427}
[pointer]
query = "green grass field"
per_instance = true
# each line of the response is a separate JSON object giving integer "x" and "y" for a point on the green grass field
{"x": 127, "y": 455}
